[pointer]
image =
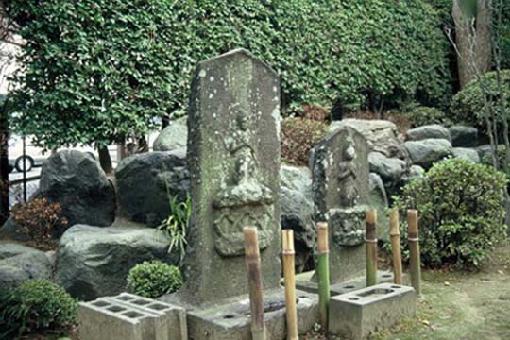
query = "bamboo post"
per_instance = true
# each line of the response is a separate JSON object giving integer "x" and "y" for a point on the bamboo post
{"x": 395, "y": 245}
{"x": 371, "y": 247}
{"x": 323, "y": 273}
{"x": 255, "y": 286}
{"x": 414, "y": 249}
{"x": 289, "y": 278}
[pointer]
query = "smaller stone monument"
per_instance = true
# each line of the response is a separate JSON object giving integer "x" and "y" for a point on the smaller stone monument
{"x": 340, "y": 171}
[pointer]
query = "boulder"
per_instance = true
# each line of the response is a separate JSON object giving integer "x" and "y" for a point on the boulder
{"x": 172, "y": 137}
{"x": 426, "y": 152}
{"x": 378, "y": 200}
{"x": 76, "y": 181}
{"x": 485, "y": 153}
{"x": 468, "y": 154}
{"x": 94, "y": 262}
{"x": 390, "y": 169}
{"x": 146, "y": 183}
{"x": 428, "y": 132}
{"x": 464, "y": 136}
{"x": 11, "y": 231}
{"x": 415, "y": 171}
{"x": 382, "y": 135}
{"x": 19, "y": 263}
{"x": 298, "y": 211}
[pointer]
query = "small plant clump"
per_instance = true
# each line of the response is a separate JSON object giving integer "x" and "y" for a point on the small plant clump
{"x": 36, "y": 306}
{"x": 41, "y": 221}
{"x": 299, "y": 136}
{"x": 176, "y": 223}
{"x": 154, "y": 279}
{"x": 461, "y": 212}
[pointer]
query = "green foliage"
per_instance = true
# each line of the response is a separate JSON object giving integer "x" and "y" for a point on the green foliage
{"x": 36, "y": 305}
{"x": 481, "y": 97}
{"x": 154, "y": 279}
{"x": 99, "y": 70}
{"x": 177, "y": 223}
{"x": 422, "y": 115}
{"x": 461, "y": 212}
{"x": 299, "y": 135}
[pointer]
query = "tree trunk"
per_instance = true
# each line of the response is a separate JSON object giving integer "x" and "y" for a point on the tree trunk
{"x": 104, "y": 159}
{"x": 4, "y": 165}
{"x": 473, "y": 39}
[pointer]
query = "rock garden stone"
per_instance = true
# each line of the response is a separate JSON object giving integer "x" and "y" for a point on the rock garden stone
{"x": 20, "y": 263}
{"x": 377, "y": 199}
{"x": 381, "y": 135}
{"x": 426, "y": 152}
{"x": 428, "y": 132}
{"x": 390, "y": 169}
{"x": 485, "y": 153}
{"x": 468, "y": 154}
{"x": 76, "y": 181}
{"x": 94, "y": 262}
{"x": 297, "y": 210}
{"x": 174, "y": 136}
{"x": 146, "y": 182}
{"x": 464, "y": 136}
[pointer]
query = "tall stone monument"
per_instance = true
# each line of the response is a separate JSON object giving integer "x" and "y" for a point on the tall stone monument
{"x": 340, "y": 184}
{"x": 234, "y": 161}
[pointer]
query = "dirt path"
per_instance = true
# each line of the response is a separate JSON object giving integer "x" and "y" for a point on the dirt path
{"x": 457, "y": 305}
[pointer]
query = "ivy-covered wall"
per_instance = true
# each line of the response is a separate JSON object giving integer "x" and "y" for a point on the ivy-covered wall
{"x": 120, "y": 62}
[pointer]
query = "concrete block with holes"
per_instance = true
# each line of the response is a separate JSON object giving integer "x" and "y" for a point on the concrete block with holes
{"x": 356, "y": 314}
{"x": 130, "y": 317}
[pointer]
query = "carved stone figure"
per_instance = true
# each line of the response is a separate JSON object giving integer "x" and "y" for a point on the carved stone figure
{"x": 349, "y": 193}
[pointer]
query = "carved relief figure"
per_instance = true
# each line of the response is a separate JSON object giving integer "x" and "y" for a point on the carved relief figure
{"x": 349, "y": 193}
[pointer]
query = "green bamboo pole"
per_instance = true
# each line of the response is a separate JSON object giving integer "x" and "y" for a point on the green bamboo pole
{"x": 371, "y": 248}
{"x": 414, "y": 250}
{"x": 395, "y": 245}
{"x": 255, "y": 286}
{"x": 323, "y": 273}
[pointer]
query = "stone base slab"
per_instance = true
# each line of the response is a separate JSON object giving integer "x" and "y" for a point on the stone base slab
{"x": 130, "y": 317}
{"x": 231, "y": 320}
{"x": 357, "y": 314}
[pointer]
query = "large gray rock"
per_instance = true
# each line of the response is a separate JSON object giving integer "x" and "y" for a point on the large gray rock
{"x": 174, "y": 136}
{"x": 428, "y": 151}
{"x": 382, "y": 135}
{"x": 390, "y": 169}
{"x": 77, "y": 182}
{"x": 94, "y": 262}
{"x": 485, "y": 153}
{"x": 297, "y": 211}
{"x": 377, "y": 199}
{"x": 11, "y": 231}
{"x": 428, "y": 132}
{"x": 464, "y": 136}
{"x": 146, "y": 182}
{"x": 468, "y": 154}
{"x": 19, "y": 263}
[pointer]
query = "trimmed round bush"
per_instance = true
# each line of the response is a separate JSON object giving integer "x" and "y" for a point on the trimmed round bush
{"x": 154, "y": 279}
{"x": 469, "y": 107}
{"x": 35, "y": 306}
{"x": 461, "y": 211}
{"x": 422, "y": 115}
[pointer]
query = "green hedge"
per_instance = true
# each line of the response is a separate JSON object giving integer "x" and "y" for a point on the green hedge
{"x": 153, "y": 279}
{"x": 113, "y": 64}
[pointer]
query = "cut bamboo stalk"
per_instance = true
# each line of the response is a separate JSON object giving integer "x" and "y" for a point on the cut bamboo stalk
{"x": 395, "y": 245}
{"x": 371, "y": 247}
{"x": 414, "y": 250}
{"x": 289, "y": 279}
{"x": 323, "y": 273}
{"x": 255, "y": 286}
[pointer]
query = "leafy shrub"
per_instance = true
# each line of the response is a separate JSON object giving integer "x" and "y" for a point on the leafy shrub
{"x": 299, "y": 135}
{"x": 78, "y": 75}
{"x": 41, "y": 221}
{"x": 36, "y": 305}
{"x": 421, "y": 115}
{"x": 177, "y": 223}
{"x": 154, "y": 279}
{"x": 461, "y": 211}
{"x": 469, "y": 105}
